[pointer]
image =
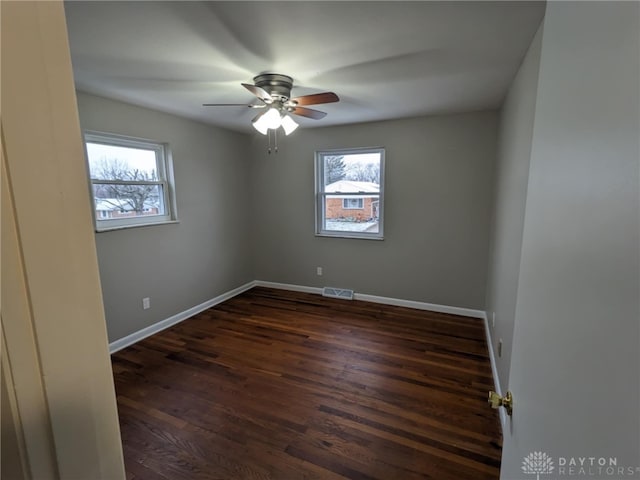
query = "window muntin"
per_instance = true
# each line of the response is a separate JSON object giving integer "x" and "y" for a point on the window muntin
{"x": 129, "y": 181}
{"x": 349, "y": 193}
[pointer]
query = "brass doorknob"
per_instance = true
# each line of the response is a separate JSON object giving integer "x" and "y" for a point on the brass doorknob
{"x": 497, "y": 401}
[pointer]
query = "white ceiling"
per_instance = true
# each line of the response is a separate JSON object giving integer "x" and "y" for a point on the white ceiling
{"x": 385, "y": 60}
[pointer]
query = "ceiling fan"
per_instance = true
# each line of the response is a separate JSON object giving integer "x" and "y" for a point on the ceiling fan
{"x": 274, "y": 91}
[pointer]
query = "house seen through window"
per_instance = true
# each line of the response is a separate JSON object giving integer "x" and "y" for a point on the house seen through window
{"x": 349, "y": 193}
{"x": 129, "y": 181}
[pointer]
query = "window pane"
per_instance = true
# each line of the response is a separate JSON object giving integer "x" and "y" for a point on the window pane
{"x": 110, "y": 162}
{"x": 359, "y": 172}
{"x": 351, "y": 219}
{"x": 116, "y": 201}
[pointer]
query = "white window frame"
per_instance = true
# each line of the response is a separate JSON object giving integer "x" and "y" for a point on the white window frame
{"x": 321, "y": 195}
{"x": 164, "y": 172}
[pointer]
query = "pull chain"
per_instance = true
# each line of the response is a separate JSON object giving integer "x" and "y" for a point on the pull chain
{"x": 275, "y": 139}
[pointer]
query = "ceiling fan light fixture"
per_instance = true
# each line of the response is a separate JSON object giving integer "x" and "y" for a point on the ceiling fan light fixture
{"x": 269, "y": 120}
{"x": 288, "y": 124}
{"x": 260, "y": 126}
{"x": 272, "y": 118}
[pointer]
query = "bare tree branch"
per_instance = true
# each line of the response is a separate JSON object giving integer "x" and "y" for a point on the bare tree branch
{"x": 128, "y": 197}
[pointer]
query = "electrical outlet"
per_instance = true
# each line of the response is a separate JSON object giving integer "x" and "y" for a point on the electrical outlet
{"x": 319, "y": 271}
{"x": 493, "y": 320}
{"x": 146, "y": 303}
{"x": 500, "y": 348}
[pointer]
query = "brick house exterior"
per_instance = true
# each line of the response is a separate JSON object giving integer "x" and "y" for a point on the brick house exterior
{"x": 364, "y": 211}
{"x": 359, "y": 208}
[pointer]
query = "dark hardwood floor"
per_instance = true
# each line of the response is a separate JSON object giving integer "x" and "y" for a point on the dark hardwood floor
{"x": 282, "y": 385}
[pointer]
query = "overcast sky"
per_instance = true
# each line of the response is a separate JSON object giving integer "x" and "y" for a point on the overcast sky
{"x": 143, "y": 160}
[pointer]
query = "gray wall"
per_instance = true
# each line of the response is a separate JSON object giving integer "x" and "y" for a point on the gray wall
{"x": 438, "y": 183}
{"x": 180, "y": 265}
{"x": 512, "y": 175}
{"x": 575, "y": 366}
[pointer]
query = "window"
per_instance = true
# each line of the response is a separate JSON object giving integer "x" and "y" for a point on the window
{"x": 349, "y": 193}
{"x": 129, "y": 181}
{"x": 351, "y": 203}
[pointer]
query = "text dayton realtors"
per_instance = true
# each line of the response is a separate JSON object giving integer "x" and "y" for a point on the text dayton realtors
{"x": 594, "y": 466}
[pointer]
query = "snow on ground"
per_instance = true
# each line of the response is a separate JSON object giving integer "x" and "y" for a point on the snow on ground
{"x": 350, "y": 226}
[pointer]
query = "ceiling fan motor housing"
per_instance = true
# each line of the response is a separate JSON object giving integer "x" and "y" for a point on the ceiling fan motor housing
{"x": 277, "y": 85}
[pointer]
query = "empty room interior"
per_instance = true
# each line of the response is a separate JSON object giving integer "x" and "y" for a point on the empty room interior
{"x": 320, "y": 240}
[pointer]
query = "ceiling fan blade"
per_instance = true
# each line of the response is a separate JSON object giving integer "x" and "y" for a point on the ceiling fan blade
{"x": 309, "y": 113}
{"x": 259, "y": 92}
{"x": 316, "y": 99}
{"x": 231, "y": 105}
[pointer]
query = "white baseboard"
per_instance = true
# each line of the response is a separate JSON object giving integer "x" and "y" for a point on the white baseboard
{"x": 433, "y": 307}
{"x": 494, "y": 369}
{"x": 177, "y": 318}
{"x": 288, "y": 286}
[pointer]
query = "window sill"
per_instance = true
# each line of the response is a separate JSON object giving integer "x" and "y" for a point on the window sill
{"x": 357, "y": 236}
{"x": 137, "y": 225}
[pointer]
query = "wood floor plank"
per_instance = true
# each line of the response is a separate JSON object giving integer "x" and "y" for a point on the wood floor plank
{"x": 281, "y": 385}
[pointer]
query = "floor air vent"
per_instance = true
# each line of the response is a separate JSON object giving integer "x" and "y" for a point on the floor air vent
{"x": 337, "y": 293}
